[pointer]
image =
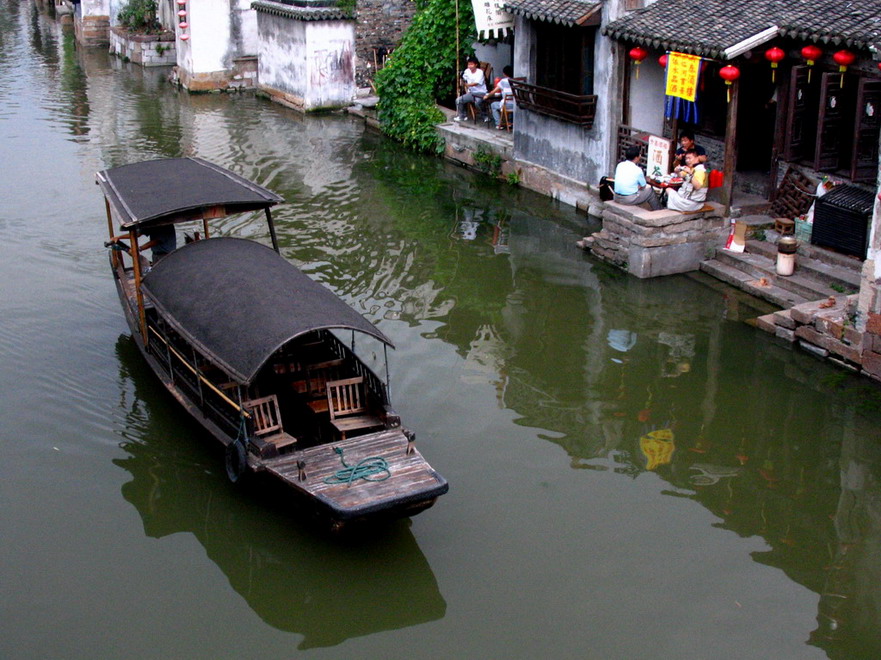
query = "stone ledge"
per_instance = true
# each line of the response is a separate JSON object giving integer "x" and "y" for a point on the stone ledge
{"x": 660, "y": 218}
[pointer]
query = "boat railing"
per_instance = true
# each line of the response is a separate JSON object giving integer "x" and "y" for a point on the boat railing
{"x": 216, "y": 402}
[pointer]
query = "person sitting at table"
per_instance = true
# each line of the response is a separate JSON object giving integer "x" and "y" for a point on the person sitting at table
{"x": 503, "y": 89}
{"x": 475, "y": 89}
{"x": 686, "y": 142}
{"x": 630, "y": 185}
{"x": 693, "y": 193}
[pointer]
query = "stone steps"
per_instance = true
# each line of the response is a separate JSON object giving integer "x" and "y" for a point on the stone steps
{"x": 818, "y": 275}
{"x": 746, "y": 282}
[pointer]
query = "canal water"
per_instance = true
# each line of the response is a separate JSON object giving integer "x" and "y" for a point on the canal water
{"x": 635, "y": 471}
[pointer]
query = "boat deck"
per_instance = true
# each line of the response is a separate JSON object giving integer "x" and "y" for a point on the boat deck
{"x": 412, "y": 480}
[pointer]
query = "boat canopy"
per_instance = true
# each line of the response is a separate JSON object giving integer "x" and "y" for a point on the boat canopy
{"x": 157, "y": 191}
{"x": 238, "y": 302}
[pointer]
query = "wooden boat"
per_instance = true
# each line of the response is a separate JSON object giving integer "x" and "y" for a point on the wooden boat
{"x": 250, "y": 346}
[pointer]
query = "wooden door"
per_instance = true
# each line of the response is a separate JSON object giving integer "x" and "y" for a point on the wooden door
{"x": 834, "y": 123}
{"x": 802, "y": 115}
{"x": 867, "y": 130}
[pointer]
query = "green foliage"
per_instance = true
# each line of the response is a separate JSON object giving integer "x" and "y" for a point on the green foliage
{"x": 759, "y": 235}
{"x": 488, "y": 163}
{"x": 513, "y": 178}
{"x": 422, "y": 69}
{"x": 347, "y": 6}
{"x": 140, "y": 16}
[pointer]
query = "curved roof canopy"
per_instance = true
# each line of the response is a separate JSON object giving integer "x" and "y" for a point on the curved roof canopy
{"x": 175, "y": 189}
{"x": 239, "y": 301}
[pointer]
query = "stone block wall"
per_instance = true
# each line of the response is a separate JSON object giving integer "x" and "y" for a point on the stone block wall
{"x": 654, "y": 243}
{"x": 92, "y": 31}
{"x": 381, "y": 24}
{"x": 143, "y": 49}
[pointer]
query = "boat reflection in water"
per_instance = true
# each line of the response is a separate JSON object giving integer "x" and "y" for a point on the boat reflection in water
{"x": 328, "y": 589}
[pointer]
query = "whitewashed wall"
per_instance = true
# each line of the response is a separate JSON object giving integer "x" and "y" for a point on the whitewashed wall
{"x": 647, "y": 95}
{"x": 97, "y": 8}
{"x": 312, "y": 62}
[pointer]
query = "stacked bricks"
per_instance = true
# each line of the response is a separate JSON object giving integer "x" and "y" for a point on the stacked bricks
{"x": 143, "y": 49}
{"x": 654, "y": 243}
{"x": 381, "y": 23}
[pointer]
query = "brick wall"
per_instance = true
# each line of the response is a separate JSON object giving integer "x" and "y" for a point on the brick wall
{"x": 381, "y": 23}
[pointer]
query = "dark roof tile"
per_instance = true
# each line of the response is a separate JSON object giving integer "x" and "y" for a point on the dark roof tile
{"x": 565, "y": 12}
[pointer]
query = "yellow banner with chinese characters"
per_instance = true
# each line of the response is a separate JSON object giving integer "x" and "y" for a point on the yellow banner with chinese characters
{"x": 682, "y": 73}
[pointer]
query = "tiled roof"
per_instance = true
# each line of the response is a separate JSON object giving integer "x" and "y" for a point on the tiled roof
{"x": 565, "y": 12}
{"x": 303, "y": 10}
{"x": 708, "y": 27}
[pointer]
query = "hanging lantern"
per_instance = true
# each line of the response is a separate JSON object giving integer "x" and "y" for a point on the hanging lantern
{"x": 729, "y": 74}
{"x": 774, "y": 55}
{"x": 662, "y": 60}
{"x": 811, "y": 54}
{"x": 183, "y": 25}
{"x": 181, "y": 3}
{"x": 184, "y": 37}
{"x": 182, "y": 13}
{"x": 843, "y": 58}
{"x": 638, "y": 54}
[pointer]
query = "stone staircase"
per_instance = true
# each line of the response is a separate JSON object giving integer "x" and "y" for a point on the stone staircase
{"x": 818, "y": 274}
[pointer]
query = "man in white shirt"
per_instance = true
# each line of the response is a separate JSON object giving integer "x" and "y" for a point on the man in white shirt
{"x": 630, "y": 184}
{"x": 475, "y": 85}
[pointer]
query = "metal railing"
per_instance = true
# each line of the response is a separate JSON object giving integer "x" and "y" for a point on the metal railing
{"x": 573, "y": 108}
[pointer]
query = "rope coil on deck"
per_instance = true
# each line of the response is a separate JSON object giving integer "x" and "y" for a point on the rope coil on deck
{"x": 366, "y": 469}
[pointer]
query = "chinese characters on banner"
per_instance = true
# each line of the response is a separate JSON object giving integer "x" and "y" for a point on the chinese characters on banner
{"x": 658, "y": 157}
{"x": 682, "y": 73}
{"x": 489, "y": 17}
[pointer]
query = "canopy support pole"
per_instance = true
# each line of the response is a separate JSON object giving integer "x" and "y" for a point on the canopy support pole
{"x": 136, "y": 265}
{"x": 730, "y": 149}
{"x": 388, "y": 380}
{"x": 271, "y": 230}
{"x": 114, "y": 257}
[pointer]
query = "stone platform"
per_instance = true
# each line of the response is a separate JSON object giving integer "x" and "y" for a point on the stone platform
{"x": 654, "y": 243}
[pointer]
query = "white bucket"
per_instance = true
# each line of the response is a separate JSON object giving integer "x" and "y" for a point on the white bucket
{"x": 785, "y": 264}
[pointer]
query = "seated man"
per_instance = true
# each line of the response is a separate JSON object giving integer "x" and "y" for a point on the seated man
{"x": 693, "y": 193}
{"x": 630, "y": 185}
{"x": 686, "y": 143}
{"x": 163, "y": 240}
{"x": 507, "y": 94}
{"x": 475, "y": 89}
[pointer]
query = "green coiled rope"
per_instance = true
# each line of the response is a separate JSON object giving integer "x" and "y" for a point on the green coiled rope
{"x": 366, "y": 469}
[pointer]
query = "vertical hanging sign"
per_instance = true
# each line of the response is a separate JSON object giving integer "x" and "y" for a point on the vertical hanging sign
{"x": 682, "y": 74}
{"x": 492, "y": 21}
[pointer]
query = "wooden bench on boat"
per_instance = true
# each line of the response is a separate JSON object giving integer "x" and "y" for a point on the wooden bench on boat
{"x": 267, "y": 422}
{"x": 347, "y": 405}
{"x": 314, "y": 386}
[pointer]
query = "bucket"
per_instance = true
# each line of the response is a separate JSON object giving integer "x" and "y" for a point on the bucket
{"x": 786, "y": 249}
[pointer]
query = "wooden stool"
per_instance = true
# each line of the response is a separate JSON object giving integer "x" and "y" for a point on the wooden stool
{"x": 784, "y": 226}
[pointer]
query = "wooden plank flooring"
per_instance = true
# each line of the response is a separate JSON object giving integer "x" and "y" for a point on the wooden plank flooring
{"x": 411, "y": 475}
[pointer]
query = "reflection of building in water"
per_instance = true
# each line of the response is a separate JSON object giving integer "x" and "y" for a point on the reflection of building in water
{"x": 293, "y": 578}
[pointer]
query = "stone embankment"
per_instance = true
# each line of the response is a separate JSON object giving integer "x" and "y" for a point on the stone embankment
{"x": 654, "y": 243}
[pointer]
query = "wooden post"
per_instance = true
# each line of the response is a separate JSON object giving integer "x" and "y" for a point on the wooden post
{"x": 114, "y": 255}
{"x": 136, "y": 259}
{"x": 730, "y": 149}
{"x": 782, "y": 109}
{"x": 271, "y": 230}
{"x": 205, "y": 227}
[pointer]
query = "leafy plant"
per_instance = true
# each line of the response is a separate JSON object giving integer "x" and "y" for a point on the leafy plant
{"x": 488, "y": 163}
{"x": 422, "y": 69}
{"x": 139, "y": 16}
{"x": 759, "y": 235}
{"x": 513, "y": 178}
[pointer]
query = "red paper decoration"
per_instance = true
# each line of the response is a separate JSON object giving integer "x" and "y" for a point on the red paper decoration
{"x": 774, "y": 55}
{"x": 729, "y": 74}
{"x": 662, "y": 60}
{"x": 811, "y": 54}
{"x": 638, "y": 54}
{"x": 843, "y": 58}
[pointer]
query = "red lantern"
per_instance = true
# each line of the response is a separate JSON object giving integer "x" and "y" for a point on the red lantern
{"x": 184, "y": 37}
{"x": 184, "y": 25}
{"x": 662, "y": 60}
{"x": 774, "y": 55}
{"x": 843, "y": 58}
{"x": 729, "y": 74}
{"x": 638, "y": 54}
{"x": 182, "y": 13}
{"x": 811, "y": 54}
